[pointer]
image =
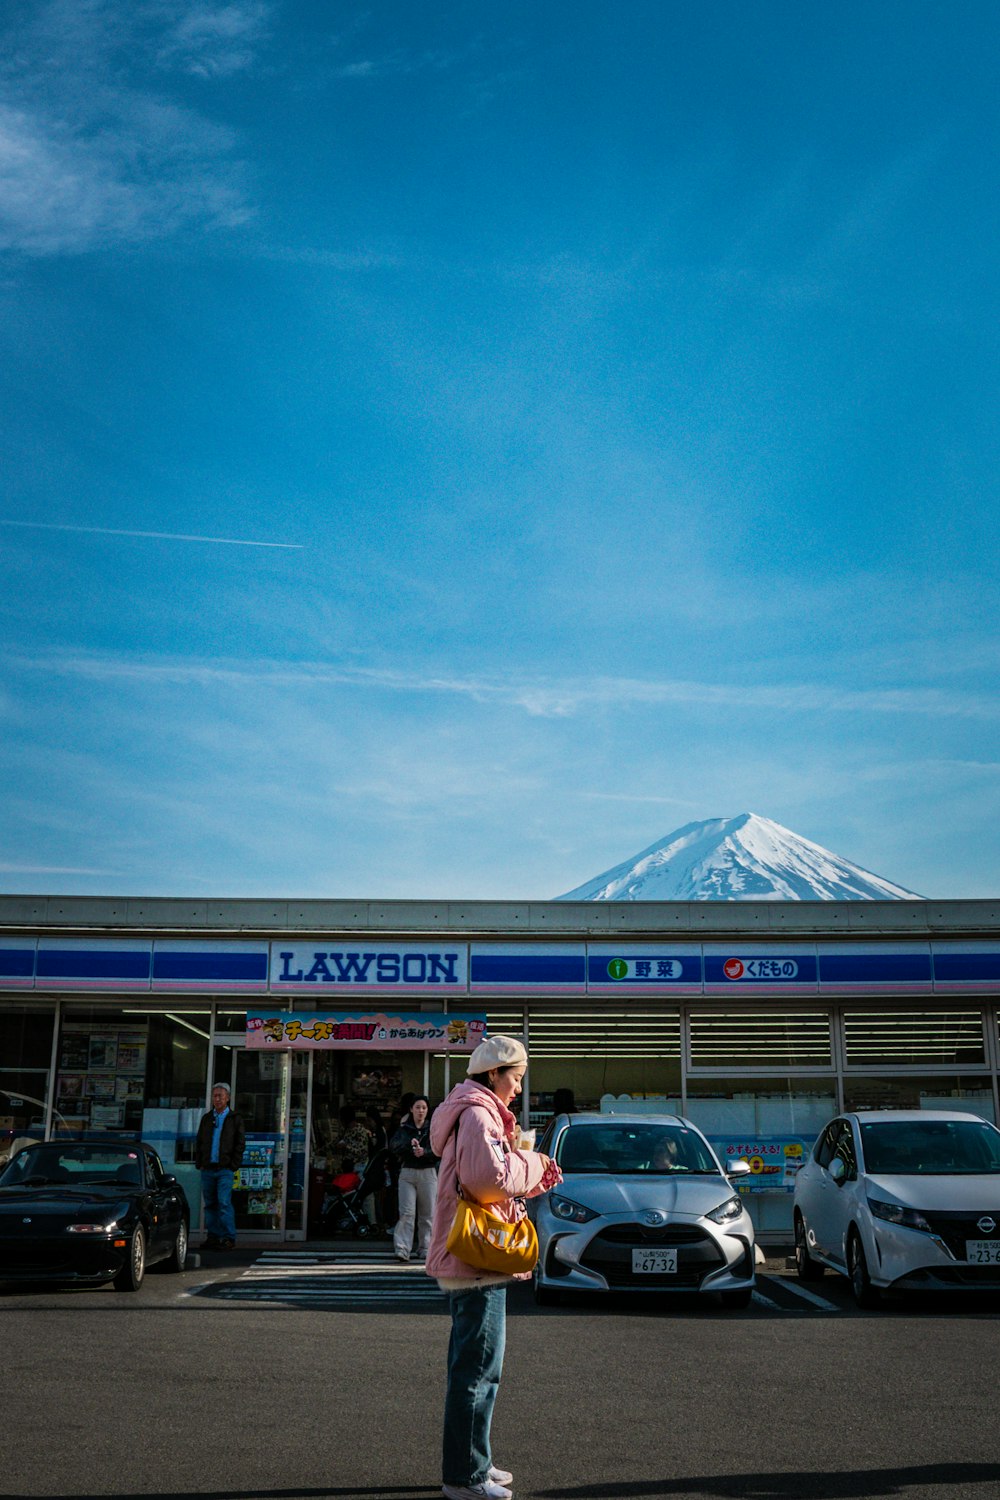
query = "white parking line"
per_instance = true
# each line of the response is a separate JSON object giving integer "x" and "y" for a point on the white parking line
{"x": 801, "y": 1291}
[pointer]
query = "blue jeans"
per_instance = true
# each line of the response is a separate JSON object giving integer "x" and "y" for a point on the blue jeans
{"x": 475, "y": 1360}
{"x": 217, "y": 1193}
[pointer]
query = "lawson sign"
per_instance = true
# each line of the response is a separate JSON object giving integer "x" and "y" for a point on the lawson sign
{"x": 404, "y": 967}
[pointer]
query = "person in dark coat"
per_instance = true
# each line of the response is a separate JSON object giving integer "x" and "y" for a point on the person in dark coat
{"x": 411, "y": 1145}
{"x": 218, "y": 1155}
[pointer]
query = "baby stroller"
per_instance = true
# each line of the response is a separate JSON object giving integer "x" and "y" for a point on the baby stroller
{"x": 343, "y": 1209}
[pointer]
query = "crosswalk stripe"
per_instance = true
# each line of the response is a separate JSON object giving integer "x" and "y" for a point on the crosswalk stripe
{"x": 332, "y": 1279}
{"x": 344, "y": 1294}
{"x": 277, "y": 1274}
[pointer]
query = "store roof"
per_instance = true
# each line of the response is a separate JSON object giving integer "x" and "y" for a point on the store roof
{"x": 509, "y": 919}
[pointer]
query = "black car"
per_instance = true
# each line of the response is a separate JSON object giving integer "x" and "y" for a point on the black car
{"x": 89, "y": 1212}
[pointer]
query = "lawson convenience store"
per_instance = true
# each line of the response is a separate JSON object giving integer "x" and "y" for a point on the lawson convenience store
{"x": 756, "y": 1020}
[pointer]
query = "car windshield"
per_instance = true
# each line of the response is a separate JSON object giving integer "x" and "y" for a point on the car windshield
{"x": 72, "y": 1164}
{"x": 622, "y": 1149}
{"x": 930, "y": 1148}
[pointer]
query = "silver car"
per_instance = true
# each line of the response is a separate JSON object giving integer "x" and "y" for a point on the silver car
{"x": 907, "y": 1200}
{"x": 644, "y": 1206}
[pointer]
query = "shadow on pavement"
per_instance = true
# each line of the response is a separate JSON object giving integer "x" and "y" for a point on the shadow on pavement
{"x": 852, "y": 1484}
{"x": 369, "y": 1492}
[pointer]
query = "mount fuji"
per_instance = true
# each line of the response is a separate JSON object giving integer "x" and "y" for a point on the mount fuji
{"x": 746, "y": 858}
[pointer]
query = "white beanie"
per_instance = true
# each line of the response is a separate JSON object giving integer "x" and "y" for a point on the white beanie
{"x": 497, "y": 1052}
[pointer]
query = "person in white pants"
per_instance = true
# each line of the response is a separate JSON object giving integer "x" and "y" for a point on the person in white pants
{"x": 417, "y": 1180}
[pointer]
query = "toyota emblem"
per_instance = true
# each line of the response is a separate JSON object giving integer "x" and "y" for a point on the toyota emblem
{"x": 25, "y": 1221}
{"x": 986, "y": 1224}
{"x": 652, "y": 1217}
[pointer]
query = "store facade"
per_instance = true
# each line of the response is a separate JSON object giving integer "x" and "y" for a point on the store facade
{"x": 756, "y": 1020}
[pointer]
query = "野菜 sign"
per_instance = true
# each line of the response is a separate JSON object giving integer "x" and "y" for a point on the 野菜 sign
{"x": 649, "y": 968}
{"x": 379, "y": 1031}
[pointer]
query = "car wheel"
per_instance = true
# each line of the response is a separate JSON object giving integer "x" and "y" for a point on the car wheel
{"x": 865, "y": 1295}
{"x": 807, "y": 1268}
{"x": 741, "y": 1298}
{"x": 129, "y": 1278}
{"x": 178, "y": 1255}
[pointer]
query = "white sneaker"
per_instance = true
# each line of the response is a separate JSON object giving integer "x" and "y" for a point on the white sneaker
{"x": 487, "y": 1489}
{"x": 500, "y": 1476}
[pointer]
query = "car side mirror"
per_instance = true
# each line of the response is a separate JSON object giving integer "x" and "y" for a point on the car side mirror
{"x": 838, "y": 1171}
{"x": 738, "y": 1169}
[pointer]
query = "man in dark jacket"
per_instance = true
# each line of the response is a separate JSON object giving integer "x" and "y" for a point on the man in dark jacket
{"x": 218, "y": 1153}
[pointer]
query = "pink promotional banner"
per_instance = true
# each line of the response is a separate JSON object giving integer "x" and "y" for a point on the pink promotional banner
{"x": 374, "y": 1031}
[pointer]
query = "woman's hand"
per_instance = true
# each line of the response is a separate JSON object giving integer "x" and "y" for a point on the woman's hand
{"x": 418, "y": 1150}
{"x": 552, "y": 1175}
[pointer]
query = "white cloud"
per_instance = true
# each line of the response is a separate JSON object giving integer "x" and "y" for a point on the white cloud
{"x": 212, "y": 41}
{"x": 539, "y": 698}
{"x": 93, "y": 152}
{"x": 8, "y": 869}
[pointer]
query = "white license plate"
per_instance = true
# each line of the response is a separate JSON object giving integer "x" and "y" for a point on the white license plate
{"x": 983, "y": 1252}
{"x": 654, "y": 1262}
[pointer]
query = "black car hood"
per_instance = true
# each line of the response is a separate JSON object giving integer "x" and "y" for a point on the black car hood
{"x": 55, "y": 1198}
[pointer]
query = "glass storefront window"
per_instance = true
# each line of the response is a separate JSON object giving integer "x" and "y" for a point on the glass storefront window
{"x": 233, "y": 1019}
{"x": 941, "y": 1092}
{"x": 610, "y": 1056}
{"x": 25, "y": 1064}
{"x": 772, "y": 1123}
{"x": 259, "y": 1084}
{"x": 779, "y": 1039}
{"x": 94, "y": 1090}
{"x": 135, "y": 1071}
{"x": 722, "y": 1107}
{"x": 913, "y": 1039}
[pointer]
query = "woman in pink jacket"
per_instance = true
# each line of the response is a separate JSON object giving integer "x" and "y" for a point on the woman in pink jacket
{"x": 475, "y": 1134}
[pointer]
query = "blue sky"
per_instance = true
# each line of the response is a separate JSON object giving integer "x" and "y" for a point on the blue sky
{"x": 448, "y": 446}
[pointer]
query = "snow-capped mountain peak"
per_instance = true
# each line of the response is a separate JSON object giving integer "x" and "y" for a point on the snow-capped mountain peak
{"x": 746, "y": 858}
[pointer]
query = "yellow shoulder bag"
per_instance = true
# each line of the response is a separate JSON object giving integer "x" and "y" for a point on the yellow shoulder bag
{"x": 480, "y": 1239}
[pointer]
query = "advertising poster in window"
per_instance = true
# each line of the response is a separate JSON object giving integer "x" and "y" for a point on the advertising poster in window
{"x": 102, "y": 1072}
{"x": 774, "y": 1161}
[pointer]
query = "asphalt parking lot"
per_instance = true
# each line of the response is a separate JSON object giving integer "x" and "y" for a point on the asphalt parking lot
{"x": 294, "y": 1376}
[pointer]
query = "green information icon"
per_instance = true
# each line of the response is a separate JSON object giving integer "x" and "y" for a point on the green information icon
{"x": 618, "y": 968}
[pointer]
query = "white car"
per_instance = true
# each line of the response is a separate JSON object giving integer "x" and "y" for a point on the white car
{"x": 901, "y": 1200}
{"x": 644, "y": 1206}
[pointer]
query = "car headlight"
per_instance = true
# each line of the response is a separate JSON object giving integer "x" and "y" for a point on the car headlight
{"x": 726, "y": 1212}
{"x": 565, "y": 1208}
{"x": 895, "y": 1213}
{"x": 92, "y": 1228}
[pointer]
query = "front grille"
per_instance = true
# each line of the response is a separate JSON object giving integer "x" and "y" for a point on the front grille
{"x": 27, "y": 1256}
{"x": 641, "y": 1234}
{"x": 610, "y": 1255}
{"x": 52, "y": 1258}
{"x": 956, "y": 1228}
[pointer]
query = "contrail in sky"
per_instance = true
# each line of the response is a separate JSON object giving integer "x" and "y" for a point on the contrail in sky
{"x": 160, "y": 536}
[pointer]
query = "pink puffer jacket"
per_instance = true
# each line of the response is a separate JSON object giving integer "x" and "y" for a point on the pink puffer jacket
{"x": 473, "y": 1133}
